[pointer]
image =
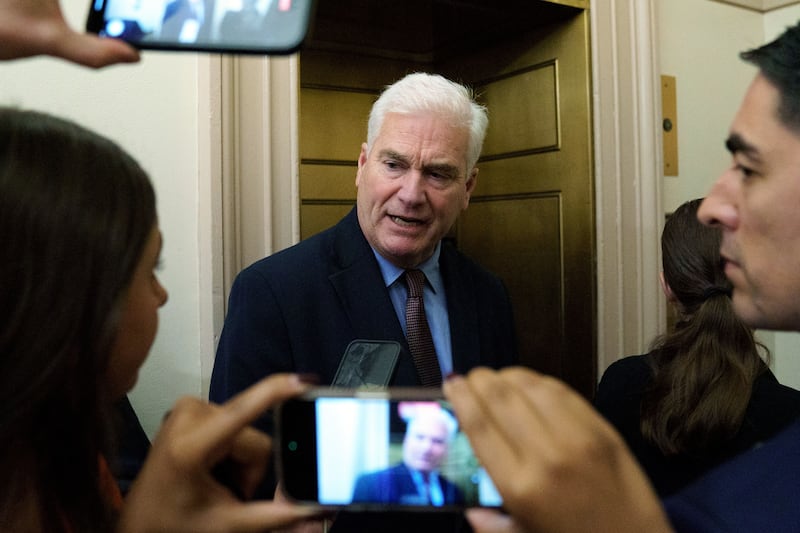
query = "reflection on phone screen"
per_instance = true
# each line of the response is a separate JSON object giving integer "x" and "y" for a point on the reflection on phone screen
{"x": 396, "y": 452}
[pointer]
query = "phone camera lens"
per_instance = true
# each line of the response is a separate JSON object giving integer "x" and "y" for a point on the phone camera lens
{"x": 292, "y": 446}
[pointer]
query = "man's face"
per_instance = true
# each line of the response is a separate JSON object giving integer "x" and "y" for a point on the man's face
{"x": 425, "y": 444}
{"x": 756, "y": 203}
{"x": 412, "y": 185}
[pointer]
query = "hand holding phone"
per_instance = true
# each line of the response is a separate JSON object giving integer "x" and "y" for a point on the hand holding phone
{"x": 232, "y": 26}
{"x": 368, "y": 450}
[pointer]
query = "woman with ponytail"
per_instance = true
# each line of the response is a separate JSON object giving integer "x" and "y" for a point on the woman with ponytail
{"x": 704, "y": 393}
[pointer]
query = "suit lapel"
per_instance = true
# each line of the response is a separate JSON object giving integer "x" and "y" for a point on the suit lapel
{"x": 358, "y": 283}
{"x": 462, "y": 309}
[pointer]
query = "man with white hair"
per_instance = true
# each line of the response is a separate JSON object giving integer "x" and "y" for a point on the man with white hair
{"x": 417, "y": 480}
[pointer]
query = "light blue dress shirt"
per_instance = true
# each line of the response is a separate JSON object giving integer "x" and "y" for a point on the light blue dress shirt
{"x": 434, "y": 299}
{"x": 430, "y": 492}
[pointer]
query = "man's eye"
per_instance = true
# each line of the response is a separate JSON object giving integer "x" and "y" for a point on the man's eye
{"x": 745, "y": 171}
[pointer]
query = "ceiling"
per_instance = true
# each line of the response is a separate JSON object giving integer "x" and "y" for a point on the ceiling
{"x": 427, "y": 30}
{"x": 760, "y": 5}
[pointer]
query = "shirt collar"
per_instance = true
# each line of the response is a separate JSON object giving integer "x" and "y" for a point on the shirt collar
{"x": 430, "y": 267}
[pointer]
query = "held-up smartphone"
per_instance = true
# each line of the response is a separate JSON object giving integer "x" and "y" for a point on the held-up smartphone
{"x": 228, "y": 26}
{"x": 399, "y": 448}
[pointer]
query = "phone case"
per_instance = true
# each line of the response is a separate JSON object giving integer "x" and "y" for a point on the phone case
{"x": 367, "y": 364}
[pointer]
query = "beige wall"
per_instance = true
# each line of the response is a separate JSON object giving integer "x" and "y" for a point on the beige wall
{"x": 699, "y": 41}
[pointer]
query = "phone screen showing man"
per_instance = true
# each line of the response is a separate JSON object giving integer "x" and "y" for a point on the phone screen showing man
{"x": 396, "y": 453}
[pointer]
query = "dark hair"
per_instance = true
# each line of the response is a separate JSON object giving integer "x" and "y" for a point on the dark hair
{"x": 75, "y": 214}
{"x": 779, "y": 62}
{"x": 703, "y": 370}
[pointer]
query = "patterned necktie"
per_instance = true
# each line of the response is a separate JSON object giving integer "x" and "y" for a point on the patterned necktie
{"x": 419, "y": 334}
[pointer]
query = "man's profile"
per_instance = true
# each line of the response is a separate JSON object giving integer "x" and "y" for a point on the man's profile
{"x": 417, "y": 480}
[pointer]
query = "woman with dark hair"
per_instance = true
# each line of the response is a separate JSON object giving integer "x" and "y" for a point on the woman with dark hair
{"x": 79, "y": 298}
{"x": 703, "y": 394}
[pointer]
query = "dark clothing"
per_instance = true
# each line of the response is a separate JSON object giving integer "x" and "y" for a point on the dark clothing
{"x": 132, "y": 445}
{"x": 756, "y": 491}
{"x": 298, "y": 309}
{"x": 619, "y": 396}
{"x": 395, "y": 485}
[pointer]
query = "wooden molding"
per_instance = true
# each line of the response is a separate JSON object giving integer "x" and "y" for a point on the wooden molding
{"x": 762, "y": 6}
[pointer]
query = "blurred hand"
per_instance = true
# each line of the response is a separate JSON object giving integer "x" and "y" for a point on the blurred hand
{"x": 37, "y": 27}
{"x": 318, "y": 524}
{"x": 559, "y": 466}
{"x": 176, "y": 490}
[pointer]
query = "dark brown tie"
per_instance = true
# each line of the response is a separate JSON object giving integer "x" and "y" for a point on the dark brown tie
{"x": 419, "y": 334}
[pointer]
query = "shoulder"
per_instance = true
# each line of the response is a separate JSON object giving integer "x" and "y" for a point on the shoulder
{"x": 631, "y": 369}
{"x": 458, "y": 268}
{"x": 312, "y": 252}
{"x": 623, "y": 384}
{"x": 773, "y": 405}
{"x": 761, "y": 482}
{"x": 384, "y": 474}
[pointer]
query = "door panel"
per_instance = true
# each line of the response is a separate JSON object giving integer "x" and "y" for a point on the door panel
{"x": 538, "y": 154}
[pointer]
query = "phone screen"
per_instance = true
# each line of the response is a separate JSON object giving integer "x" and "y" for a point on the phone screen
{"x": 379, "y": 452}
{"x": 246, "y": 26}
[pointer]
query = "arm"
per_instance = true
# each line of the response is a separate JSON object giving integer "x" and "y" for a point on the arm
{"x": 558, "y": 465}
{"x": 254, "y": 341}
{"x": 176, "y": 491}
{"x": 37, "y": 27}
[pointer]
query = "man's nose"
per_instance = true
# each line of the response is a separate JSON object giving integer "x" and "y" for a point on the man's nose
{"x": 718, "y": 208}
{"x": 412, "y": 189}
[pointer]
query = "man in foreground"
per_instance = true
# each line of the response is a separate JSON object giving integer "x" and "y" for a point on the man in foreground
{"x": 560, "y": 467}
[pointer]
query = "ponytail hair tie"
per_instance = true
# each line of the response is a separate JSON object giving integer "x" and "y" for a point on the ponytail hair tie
{"x": 715, "y": 290}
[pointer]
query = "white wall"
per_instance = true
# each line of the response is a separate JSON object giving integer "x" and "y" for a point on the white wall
{"x": 151, "y": 109}
{"x": 700, "y": 41}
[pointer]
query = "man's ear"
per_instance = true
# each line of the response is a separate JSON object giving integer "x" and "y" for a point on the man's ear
{"x": 666, "y": 288}
{"x": 472, "y": 180}
{"x": 362, "y": 160}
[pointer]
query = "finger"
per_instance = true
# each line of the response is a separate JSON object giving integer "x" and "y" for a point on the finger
{"x": 495, "y": 450}
{"x": 229, "y": 418}
{"x": 93, "y": 51}
{"x": 491, "y": 521}
{"x": 258, "y": 516}
{"x": 506, "y": 402}
{"x": 567, "y": 419}
{"x": 250, "y": 453}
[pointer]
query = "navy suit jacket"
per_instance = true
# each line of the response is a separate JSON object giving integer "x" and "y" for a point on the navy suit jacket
{"x": 395, "y": 485}
{"x": 756, "y": 491}
{"x": 298, "y": 309}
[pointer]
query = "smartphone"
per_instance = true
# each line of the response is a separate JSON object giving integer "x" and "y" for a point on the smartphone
{"x": 227, "y": 26}
{"x": 399, "y": 448}
{"x": 367, "y": 364}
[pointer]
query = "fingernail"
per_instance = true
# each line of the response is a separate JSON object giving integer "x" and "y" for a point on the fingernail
{"x": 308, "y": 379}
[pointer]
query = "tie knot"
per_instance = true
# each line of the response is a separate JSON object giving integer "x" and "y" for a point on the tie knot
{"x": 415, "y": 279}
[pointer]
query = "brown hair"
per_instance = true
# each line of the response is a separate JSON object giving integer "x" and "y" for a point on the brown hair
{"x": 703, "y": 370}
{"x": 75, "y": 214}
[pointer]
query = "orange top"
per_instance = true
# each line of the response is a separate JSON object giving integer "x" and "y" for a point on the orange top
{"x": 108, "y": 484}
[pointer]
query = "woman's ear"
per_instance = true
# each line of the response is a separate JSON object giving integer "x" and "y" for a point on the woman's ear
{"x": 665, "y": 287}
